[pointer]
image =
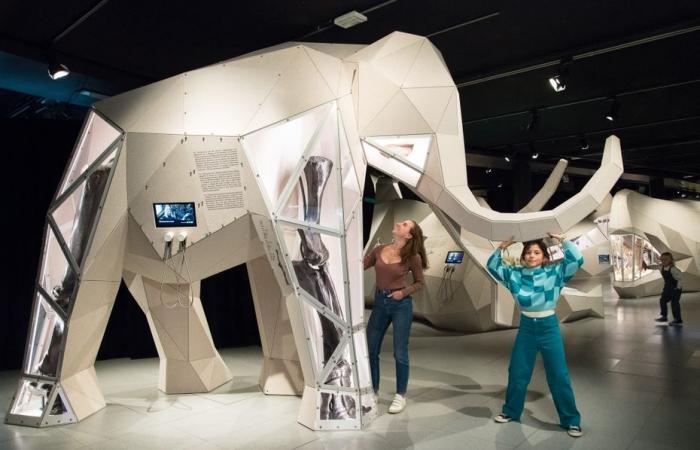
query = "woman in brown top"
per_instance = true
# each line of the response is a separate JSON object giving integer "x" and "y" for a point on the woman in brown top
{"x": 392, "y": 301}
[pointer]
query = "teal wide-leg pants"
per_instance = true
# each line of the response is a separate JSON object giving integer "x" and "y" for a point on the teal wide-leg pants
{"x": 543, "y": 335}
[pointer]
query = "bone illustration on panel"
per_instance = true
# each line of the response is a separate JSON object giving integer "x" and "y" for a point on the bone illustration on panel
{"x": 269, "y": 151}
{"x": 314, "y": 277}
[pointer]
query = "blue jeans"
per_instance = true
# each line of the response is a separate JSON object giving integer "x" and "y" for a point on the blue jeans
{"x": 540, "y": 334}
{"x": 386, "y": 311}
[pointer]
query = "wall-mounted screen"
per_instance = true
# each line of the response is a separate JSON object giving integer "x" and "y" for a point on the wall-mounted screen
{"x": 174, "y": 214}
{"x": 454, "y": 257}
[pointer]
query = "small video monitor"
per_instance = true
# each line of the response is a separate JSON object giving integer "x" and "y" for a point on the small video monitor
{"x": 174, "y": 215}
{"x": 454, "y": 257}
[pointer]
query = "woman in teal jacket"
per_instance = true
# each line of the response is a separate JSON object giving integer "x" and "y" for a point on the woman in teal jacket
{"x": 535, "y": 286}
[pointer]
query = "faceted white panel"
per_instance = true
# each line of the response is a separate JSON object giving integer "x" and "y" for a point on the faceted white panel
{"x": 223, "y": 99}
{"x": 349, "y": 126}
{"x": 431, "y": 102}
{"x": 396, "y": 65}
{"x": 375, "y": 92}
{"x": 353, "y": 249}
{"x": 330, "y": 67}
{"x": 300, "y": 88}
{"x": 429, "y": 70}
{"x": 398, "y": 117}
{"x": 155, "y": 108}
{"x": 352, "y": 191}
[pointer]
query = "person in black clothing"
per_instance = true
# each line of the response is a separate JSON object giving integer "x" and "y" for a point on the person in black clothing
{"x": 673, "y": 286}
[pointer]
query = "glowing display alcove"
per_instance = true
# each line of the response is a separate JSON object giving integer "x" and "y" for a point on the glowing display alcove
{"x": 627, "y": 252}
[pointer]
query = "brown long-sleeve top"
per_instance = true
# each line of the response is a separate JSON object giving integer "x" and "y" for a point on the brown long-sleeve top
{"x": 393, "y": 276}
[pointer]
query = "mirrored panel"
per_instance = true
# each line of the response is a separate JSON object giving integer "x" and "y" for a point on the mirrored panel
{"x": 275, "y": 151}
{"x": 413, "y": 149}
{"x": 314, "y": 197}
{"x": 390, "y": 165}
{"x": 57, "y": 276}
{"x": 44, "y": 352}
{"x": 95, "y": 139}
{"x": 77, "y": 214}
{"x": 337, "y": 407}
{"x": 318, "y": 265}
{"x": 32, "y": 398}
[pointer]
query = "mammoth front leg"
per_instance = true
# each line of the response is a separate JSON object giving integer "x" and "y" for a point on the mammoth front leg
{"x": 189, "y": 362}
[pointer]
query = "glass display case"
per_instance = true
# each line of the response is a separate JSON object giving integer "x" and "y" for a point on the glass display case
{"x": 627, "y": 252}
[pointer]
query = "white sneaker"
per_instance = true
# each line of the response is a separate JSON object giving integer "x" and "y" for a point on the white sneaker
{"x": 398, "y": 404}
{"x": 575, "y": 431}
{"x": 502, "y": 418}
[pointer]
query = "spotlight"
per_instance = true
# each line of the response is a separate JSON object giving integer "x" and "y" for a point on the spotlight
{"x": 507, "y": 158}
{"x": 489, "y": 170}
{"x": 558, "y": 81}
{"x": 611, "y": 115}
{"x": 584, "y": 143}
{"x": 500, "y": 185}
{"x": 534, "y": 154}
{"x": 561, "y": 77}
{"x": 57, "y": 70}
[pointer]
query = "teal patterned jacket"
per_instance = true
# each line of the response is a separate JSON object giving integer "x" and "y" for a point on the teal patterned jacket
{"x": 536, "y": 289}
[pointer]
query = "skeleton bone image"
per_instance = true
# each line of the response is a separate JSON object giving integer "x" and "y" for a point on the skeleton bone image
{"x": 313, "y": 275}
{"x": 232, "y": 141}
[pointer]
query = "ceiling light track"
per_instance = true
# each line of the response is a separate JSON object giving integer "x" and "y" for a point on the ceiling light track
{"x": 599, "y": 98}
{"x": 583, "y": 55}
{"x": 463, "y": 24}
{"x": 588, "y": 134}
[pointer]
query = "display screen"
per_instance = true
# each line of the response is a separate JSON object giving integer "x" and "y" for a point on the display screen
{"x": 172, "y": 215}
{"x": 454, "y": 257}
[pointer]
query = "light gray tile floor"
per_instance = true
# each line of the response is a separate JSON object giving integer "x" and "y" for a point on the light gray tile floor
{"x": 637, "y": 386}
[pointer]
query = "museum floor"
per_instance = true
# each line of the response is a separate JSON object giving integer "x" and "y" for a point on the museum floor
{"x": 637, "y": 386}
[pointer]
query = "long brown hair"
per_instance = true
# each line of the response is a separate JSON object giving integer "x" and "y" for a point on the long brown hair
{"x": 414, "y": 246}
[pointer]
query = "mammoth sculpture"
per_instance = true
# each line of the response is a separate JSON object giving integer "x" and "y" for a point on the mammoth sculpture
{"x": 267, "y": 153}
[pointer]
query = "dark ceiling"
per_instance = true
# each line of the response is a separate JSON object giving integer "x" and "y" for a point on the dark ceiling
{"x": 643, "y": 56}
